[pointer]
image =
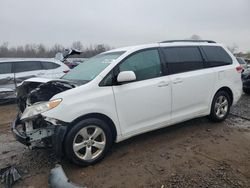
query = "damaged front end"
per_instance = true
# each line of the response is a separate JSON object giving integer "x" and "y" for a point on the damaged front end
{"x": 30, "y": 127}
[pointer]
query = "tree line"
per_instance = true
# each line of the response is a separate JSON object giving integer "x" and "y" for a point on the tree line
{"x": 42, "y": 51}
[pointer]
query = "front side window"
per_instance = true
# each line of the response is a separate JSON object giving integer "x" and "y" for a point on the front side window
{"x": 5, "y": 68}
{"x": 25, "y": 66}
{"x": 183, "y": 59}
{"x": 145, "y": 64}
{"x": 92, "y": 67}
{"x": 216, "y": 56}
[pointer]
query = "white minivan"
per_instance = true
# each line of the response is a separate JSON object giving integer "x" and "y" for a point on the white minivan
{"x": 125, "y": 92}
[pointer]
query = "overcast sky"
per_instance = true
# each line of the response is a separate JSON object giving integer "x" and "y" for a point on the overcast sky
{"x": 124, "y": 22}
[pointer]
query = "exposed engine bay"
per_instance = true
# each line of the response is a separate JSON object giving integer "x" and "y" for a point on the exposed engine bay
{"x": 36, "y": 130}
{"x": 32, "y": 92}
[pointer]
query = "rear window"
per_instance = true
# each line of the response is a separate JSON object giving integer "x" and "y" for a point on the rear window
{"x": 49, "y": 65}
{"x": 25, "y": 66}
{"x": 183, "y": 59}
{"x": 5, "y": 68}
{"x": 216, "y": 56}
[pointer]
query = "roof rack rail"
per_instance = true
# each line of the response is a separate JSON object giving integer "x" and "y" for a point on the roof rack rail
{"x": 169, "y": 41}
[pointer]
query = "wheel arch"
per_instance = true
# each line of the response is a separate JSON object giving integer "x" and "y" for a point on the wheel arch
{"x": 229, "y": 91}
{"x": 101, "y": 116}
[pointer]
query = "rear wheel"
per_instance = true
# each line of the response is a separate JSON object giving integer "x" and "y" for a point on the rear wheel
{"x": 88, "y": 142}
{"x": 220, "y": 106}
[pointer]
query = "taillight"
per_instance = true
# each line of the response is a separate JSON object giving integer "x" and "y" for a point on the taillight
{"x": 239, "y": 69}
{"x": 66, "y": 71}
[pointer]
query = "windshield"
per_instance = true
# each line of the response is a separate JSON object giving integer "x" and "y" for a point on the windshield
{"x": 90, "y": 68}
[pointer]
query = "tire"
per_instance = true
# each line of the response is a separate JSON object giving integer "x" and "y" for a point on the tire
{"x": 83, "y": 147}
{"x": 220, "y": 107}
{"x": 247, "y": 91}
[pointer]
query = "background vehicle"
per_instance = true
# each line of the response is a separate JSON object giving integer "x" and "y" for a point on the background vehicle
{"x": 65, "y": 57}
{"x": 246, "y": 81}
{"x": 71, "y": 65}
{"x": 247, "y": 60}
{"x": 243, "y": 63}
{"x": 125, "y": 92}
{"x": 13, "y": 71}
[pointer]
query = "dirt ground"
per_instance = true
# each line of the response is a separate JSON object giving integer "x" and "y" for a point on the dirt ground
{"x": 196, "y": 153}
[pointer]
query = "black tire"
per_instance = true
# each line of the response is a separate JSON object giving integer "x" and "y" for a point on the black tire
{"x": 247, "y": 91}
{"x": 213, "y": 116}
{"x": 70, "y": 140}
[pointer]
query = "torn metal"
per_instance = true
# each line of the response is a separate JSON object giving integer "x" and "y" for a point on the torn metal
{"x": 38, "y": 130}
{"x": 62, "y": 56}
{"x": 31, "y": 92}
{"x": 9, "y": 176}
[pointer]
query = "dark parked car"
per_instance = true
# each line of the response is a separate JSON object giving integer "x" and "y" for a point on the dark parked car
{"x": 246, "y": 81}
{"x": 242, "y": 62}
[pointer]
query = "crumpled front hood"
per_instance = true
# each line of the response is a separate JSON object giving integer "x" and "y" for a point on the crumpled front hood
{"x": 40, "y": 89}
{"x": 39, "y": 80}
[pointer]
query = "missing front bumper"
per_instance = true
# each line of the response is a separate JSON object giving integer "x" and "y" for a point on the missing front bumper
{"x": 20, "y": 137}
{"x": 54, "y": 134}
{"x": 30, "y": 136}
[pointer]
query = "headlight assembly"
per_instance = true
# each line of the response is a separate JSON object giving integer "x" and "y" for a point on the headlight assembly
{"x": 39, "y": 108}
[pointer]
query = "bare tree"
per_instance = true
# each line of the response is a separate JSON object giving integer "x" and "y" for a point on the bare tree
{"x": 77, "y": 45}
{"x": 40, "y": 50}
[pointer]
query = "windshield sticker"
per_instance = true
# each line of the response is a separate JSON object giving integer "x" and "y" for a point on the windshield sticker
{"x": 107, "y": 61}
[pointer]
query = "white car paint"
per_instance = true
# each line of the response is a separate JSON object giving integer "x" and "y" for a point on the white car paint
{"x": 12, "y": 80}
{"x": 150, "y": 104}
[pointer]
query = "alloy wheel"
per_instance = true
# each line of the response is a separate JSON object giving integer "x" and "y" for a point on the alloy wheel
{"x": 221, "y": 106}
{"x": 89, "y": 142}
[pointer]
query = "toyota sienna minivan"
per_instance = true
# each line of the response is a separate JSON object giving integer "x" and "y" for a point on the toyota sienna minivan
{"x": 125, "y": 92}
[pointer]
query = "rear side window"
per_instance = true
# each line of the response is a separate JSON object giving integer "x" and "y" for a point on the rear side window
{"x": 146, "y": 64}
{"x": 49, "y": 65}
{"x": 5, "y": 68}
{"x": 216, "y": 56}
{"x": 25, "y": 66}
{"x": 183, "y": 59}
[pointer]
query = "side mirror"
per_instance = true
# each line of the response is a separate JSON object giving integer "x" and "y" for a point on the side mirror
{"x": 126, "y": 76}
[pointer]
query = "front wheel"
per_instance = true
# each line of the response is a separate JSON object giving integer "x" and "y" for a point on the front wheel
{"x": 88, "y": 141}
{"x": 220, "y": 106}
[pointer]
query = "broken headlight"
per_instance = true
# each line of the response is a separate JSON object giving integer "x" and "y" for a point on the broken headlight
{"x": 39, "y": 108}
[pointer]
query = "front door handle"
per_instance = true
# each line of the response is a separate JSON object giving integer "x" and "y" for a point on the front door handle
{"x": 177, "y": 81}
{"x": 163, "y": 84}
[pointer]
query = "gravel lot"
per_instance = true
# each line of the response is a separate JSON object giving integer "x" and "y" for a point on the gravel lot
{"x": 196, "y": 153}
